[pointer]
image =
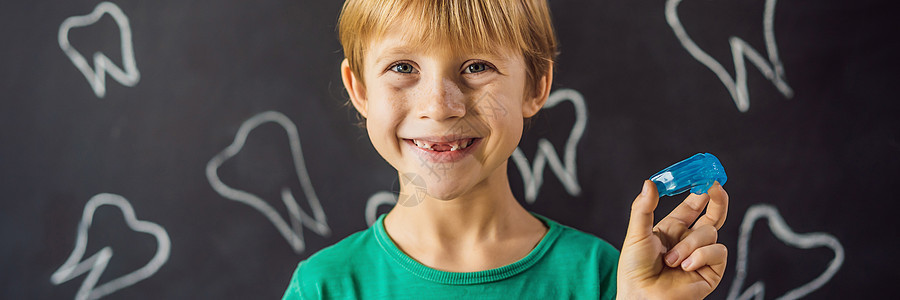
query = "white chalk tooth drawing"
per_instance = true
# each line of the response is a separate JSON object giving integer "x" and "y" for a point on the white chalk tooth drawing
{"x": 292, "y": 234}
{"x": 378, "y": 199}
{"x": 737, "y": 86}
{"x": 102, "y": 64}
{"x": 96, "y": 264}
{"x": 533, "y": 176}
{"x": 789, "y": 237}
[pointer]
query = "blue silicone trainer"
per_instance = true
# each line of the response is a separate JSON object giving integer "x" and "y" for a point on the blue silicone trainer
{"x": 696, "y": 173}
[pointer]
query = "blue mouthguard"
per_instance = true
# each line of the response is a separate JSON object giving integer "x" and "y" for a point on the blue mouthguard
{"x": 697, "y": 173}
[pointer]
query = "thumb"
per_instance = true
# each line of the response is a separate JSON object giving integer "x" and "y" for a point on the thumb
{"x": 640, "y": 224}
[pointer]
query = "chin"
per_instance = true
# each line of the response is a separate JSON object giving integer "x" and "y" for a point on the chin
{"x": 445, "y": 191}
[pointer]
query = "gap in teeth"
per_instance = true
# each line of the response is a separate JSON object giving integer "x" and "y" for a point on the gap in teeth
{"x": 454, "y": 146}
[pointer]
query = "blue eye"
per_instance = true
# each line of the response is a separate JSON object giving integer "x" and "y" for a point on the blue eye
{"x": 403, "y": 68}
{"x": 477, "y": 68}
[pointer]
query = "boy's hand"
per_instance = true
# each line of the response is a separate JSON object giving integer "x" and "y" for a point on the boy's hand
{"x": 673, "y": 260}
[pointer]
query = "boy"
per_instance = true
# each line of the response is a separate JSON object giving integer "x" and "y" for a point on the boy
{"x": 418, "y": 72}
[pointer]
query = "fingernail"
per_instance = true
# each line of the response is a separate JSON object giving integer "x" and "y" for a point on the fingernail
{"x": 672, "y": 257}
{"x": 686, "y": 263}
{"x": 645, "y": 188}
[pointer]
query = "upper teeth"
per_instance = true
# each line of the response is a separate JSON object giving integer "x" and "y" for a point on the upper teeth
{"x": 454, "y": 145}
{"x": 423, "y": 144}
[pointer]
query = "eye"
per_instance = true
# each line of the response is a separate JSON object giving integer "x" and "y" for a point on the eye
{"x": 477, "y": 67}
{"x": 403, "y": 67}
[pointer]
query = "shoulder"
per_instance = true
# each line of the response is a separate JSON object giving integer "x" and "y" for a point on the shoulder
{"x": 355, "y": 247}
{"x": 332, "y": 263}
{"x": 577, "y": 241}
{"x": 582, "y": 253}
{"x": 592, "y": 250}
{"x": 577, "y": 238}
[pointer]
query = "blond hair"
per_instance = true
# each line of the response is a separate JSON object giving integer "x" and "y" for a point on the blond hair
{"x": 478, "y": 25}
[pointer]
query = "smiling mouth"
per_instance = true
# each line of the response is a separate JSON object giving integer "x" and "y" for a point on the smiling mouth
{"x": 456, "y": 145}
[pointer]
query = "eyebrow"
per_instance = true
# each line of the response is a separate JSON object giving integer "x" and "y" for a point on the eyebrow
{"x": 392, "y": 52}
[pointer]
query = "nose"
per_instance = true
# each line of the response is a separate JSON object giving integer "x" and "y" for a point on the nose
{"x": 442, "y": 100}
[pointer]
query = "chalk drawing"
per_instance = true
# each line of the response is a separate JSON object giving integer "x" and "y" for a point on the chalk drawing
{"x": 533, "y": 177}
{"x": 378, "y": 199}
{"x": 789, "y": 237}
{"x": 102, "y": 64}
{"x": 96, "y": 264}
{"x": 737, "y": 86}
{"x": 292, "y": 234}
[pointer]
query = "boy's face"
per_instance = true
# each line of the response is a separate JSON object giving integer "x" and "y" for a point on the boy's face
{"x": 450, "y": 117}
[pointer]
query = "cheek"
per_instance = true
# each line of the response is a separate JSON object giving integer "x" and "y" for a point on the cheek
{"x": 386, "y": 111}
{"x": 502, "y": 113}
{"x": 513, "y": 125}
{"x": 382, "y": 133}
{"x": 510, "y": 117}
{"x": 504, "y": 108}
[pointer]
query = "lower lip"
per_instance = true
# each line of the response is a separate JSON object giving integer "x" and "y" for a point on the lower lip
{"x": 442, "y": 156}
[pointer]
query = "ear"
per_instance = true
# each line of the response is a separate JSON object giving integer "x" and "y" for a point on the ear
{"x": 355, "y": 88}
{"x": 537, "y": 97}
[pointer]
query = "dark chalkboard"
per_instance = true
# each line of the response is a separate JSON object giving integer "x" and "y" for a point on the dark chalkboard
{"x": 200, "y": 149}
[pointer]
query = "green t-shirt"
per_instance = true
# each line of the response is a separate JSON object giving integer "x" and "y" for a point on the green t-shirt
{"x": 566, "y": 264}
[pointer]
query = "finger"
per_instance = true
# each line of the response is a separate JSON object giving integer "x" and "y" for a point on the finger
{"x": 697, "y": 238}
{"x": 709, "y": 261}
{"x": 640, "y": 224}
{"x": 717, "y": 209}
{"x": 681, "y": 218}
